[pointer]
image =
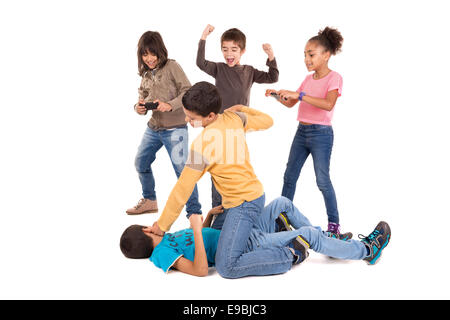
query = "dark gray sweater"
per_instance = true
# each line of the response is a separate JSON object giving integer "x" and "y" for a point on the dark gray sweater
{"x": 234, "y": 83}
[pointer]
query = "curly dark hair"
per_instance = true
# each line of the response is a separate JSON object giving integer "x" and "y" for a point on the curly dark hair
{"x": 329, "y": 38}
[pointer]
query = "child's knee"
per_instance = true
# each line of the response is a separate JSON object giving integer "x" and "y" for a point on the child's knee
{"x": 323, "y": 182}
{"x": 223, "y": 268}
{"x": 143, "y": 163}
{"x": 310, "y": 234}
{"x": 281, "y": 202}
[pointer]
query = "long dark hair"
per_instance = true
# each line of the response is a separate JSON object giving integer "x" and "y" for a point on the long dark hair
{"x": 151, "y": 41}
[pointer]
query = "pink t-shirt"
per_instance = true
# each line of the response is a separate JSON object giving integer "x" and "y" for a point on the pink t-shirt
{"x": 318, "y": 89}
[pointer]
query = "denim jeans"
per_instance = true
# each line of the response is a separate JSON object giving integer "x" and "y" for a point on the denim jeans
{"x": 176, "y": 143}
{"x": 216, "y": 197}
{"x": 217, "y": 201}
{"x": 233, "y": 259}
{"x": 316, "y": 140}
{"x": 264, "y": 233}
{"x": 219, "y": 220}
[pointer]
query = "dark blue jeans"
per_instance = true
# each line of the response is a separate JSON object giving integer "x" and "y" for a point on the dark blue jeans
{"x": 176, "y": 143}
{"x": 217, "y": 201}
{"x": 316, "y": 140}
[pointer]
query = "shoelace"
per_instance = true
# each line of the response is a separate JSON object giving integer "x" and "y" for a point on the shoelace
{"x": 370, "y": 237}
{"x": 140, "y": 203}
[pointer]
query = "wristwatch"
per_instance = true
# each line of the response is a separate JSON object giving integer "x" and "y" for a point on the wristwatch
{"x": 301, "y": 95}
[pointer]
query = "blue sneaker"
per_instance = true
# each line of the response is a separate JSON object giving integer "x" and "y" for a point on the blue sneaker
{"x": 376, "y": 242}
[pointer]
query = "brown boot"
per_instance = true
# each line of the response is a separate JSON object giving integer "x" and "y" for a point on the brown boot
{"x": 144, "y": 206}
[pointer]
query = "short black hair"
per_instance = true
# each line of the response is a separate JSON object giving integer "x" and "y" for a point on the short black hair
{"x": 135, "y": 244}
{"x": 329, "y": 38}
{"x": 202, "y": 98}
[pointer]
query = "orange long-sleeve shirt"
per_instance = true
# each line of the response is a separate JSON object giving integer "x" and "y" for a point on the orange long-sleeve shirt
{"x": 221, "y": 150}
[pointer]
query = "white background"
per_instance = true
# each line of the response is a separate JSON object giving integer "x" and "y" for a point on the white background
{"x": 68, "y": 73}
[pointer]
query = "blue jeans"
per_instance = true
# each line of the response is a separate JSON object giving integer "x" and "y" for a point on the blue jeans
{"x": 217, "y": 201}
{"x": 233, "y": 259}
{"x": 316, "y": 140}
{"x": 176, "y": 143}
{"x": 264, "y": 233}
{"x": 216, "y": 197}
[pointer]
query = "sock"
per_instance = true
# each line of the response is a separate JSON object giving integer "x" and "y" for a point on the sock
{"x": 294, "y": 256}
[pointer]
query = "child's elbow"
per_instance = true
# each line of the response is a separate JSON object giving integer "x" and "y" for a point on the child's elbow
{"x": 330, "y": 106}
{"x": 203, "y": 272}
{"x": 273, "y": 77}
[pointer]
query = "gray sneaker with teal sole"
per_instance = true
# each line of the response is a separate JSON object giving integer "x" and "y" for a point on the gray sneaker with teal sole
{"x": 376, "y": 242}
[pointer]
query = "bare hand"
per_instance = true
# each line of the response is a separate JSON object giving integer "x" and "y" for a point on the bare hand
{"x": 269, "y": 91}
{"x": 154, "y": 229}
{"x": 163, "y": 107}
{"x": 208, "y": 30}
{"x": 268, "y": 50}
{"x": 236, "y": 108}
{"x": 216, "y": 210}
{"x": 140, "y": 109}
{"x": 286, "y": 94}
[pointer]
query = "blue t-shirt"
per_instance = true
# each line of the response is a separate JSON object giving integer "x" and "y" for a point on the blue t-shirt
{"x": 181, "y": 244}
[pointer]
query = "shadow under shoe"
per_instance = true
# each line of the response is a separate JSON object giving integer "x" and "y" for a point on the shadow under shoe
{"x": 144, "y": 206}
{"x": 376, "y": 242}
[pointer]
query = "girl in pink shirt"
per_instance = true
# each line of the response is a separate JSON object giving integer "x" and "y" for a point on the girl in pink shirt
{"x": 317, "y": 94}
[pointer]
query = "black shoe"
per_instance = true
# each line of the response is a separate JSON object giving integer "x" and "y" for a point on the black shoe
{"x": 300, "y": 247}
{"x": 283, "y": 223}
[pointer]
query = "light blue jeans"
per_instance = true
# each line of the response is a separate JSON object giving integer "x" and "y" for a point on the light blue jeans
{"x": 176, "y": 143}
{"x": 250, "y": 246}
{"x": 264, "y": 233}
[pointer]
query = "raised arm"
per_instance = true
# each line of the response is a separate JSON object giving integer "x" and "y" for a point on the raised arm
{"x": 272, "y": 75}
{"x": 205, "y": 65}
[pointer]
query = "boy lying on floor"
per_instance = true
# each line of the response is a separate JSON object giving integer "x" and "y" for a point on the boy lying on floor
{"x": 193, "y": 250}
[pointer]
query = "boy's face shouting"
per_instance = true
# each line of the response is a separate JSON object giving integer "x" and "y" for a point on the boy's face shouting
{"x": 232, "y": 53}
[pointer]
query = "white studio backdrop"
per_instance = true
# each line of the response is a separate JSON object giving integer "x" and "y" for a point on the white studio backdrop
{"x": 68, "y": 73}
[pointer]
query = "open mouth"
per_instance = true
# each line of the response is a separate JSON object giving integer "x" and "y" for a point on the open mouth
{"x": 230, "y": 60}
